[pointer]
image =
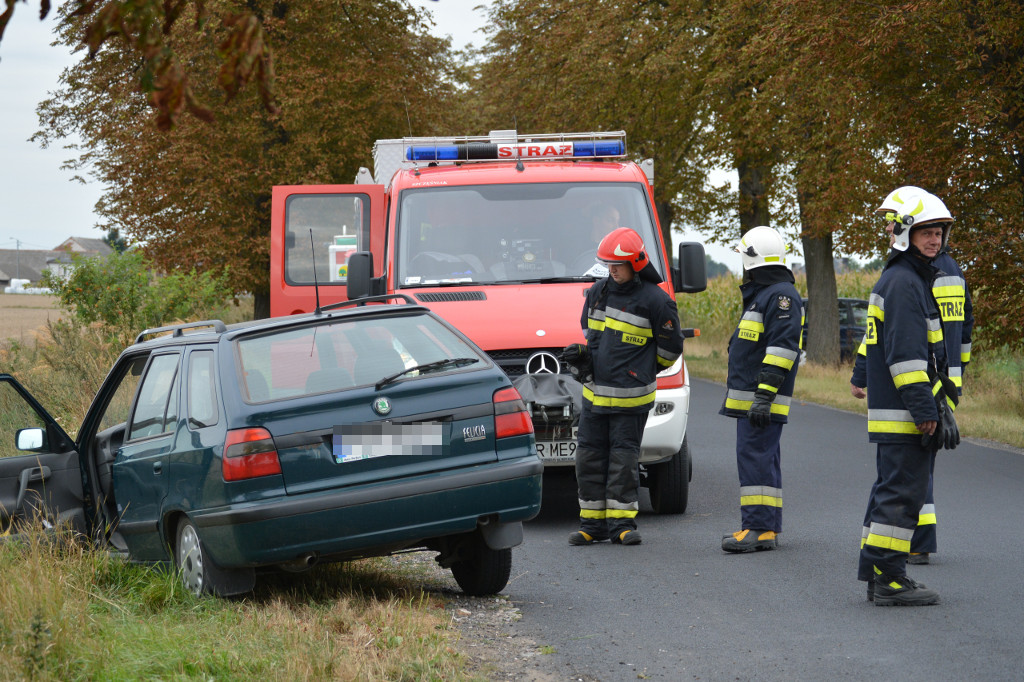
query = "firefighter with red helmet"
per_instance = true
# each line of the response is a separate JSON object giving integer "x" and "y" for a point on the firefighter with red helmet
{"x": 632, "y": 331}
{"x": 763, "y": 360}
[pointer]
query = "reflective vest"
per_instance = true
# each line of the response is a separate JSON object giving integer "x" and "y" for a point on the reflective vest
{"x": 632, "y": 334}
{"x": 768, "y": 337}
{"x": 902, "y": 341}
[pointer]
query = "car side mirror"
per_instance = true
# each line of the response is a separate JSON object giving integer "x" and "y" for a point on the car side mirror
{"x": 360, "y": 275}
{"x": 32, "y": 439}
{"x": 691, "y": 276}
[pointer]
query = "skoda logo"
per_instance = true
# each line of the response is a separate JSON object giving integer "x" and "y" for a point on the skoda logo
{"x": 542, "y": 363}
{"x": 382, "y": 405}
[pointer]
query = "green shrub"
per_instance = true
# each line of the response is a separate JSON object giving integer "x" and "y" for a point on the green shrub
{"x": 121, "y": 292}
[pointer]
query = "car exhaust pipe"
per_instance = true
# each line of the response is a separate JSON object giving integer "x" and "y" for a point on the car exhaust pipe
{"x": 302, "y": 563}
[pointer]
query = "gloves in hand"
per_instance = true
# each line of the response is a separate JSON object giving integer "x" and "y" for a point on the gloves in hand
{"x": 575, "y": 352}
{"x": 760, "y": 412}
{"x": 946, "y": 435}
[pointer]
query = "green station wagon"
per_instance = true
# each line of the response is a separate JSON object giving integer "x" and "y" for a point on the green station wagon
{"x": 359, "y": 430}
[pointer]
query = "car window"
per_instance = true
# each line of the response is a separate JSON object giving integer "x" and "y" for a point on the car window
{"x": 155, "y": 408}
{"x": 859, "y": 310}
{"x": 15, "y": 414}
{"x": 343, "y": 353}
{"x": 202, "y": 390}
{"x": 120, "y": 404}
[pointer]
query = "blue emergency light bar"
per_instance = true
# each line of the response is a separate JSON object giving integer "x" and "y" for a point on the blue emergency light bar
{"x": 532, "y": 147}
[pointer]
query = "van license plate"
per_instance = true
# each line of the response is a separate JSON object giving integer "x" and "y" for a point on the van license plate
{"x": 557, "y": 450}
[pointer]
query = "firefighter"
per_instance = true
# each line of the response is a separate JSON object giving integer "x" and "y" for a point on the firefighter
{"x": 763, "y": 360}
{"x": 905, "y": 357}
{"x": 953, "y": 297}
{"x": 632, "y": 331}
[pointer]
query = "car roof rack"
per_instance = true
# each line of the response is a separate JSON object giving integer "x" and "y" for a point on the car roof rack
{"x": 178, "y": 330}
{"x": 369, "y": 299}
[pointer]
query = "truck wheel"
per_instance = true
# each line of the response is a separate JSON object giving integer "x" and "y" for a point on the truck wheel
{"x": 669, "y": 482}
{"x": 484, "y": 570}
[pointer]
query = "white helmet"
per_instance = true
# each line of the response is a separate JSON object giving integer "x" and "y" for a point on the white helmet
{"x": 910, "y": 207}
{"x": 762, "y": 245}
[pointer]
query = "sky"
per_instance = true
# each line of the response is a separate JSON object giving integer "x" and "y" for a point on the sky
{"x": 43, "y": 205}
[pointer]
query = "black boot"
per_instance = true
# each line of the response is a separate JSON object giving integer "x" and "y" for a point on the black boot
{"x": 900, "y": 591}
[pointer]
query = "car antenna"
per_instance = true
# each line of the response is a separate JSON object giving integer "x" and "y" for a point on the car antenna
{"x": 316, "y": 285}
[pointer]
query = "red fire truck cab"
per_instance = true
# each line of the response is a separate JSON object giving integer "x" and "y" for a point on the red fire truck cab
{"x": 498, "y": 235}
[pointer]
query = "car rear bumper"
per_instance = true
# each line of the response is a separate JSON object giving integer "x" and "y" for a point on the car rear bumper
{"x": 372, "y": 519}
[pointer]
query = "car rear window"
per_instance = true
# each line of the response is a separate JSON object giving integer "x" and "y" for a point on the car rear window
{"x": 343, "y": 353}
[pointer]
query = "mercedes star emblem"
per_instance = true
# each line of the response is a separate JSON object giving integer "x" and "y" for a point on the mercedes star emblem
{"x": 543, "y": 363}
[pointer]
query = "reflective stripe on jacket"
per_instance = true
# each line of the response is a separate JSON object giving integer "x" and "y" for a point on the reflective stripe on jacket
{"x": 768, "y": 336}
{"x": 632, "y": 333}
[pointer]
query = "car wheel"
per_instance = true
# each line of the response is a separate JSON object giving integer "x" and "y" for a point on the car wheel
{"x": 190, "y": 559}
{"x": 483, "y": 570}
{"x": 669, "y": 482}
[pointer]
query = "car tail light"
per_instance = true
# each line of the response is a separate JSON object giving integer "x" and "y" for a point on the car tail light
{"x": 510, "y": 415}
{"x": 249, "y": 453}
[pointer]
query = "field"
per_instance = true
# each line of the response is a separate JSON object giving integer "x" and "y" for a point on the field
{"x": 22, "y": 314}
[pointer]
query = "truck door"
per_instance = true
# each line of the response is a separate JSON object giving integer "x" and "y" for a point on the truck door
{"x": 40, "y": 473}
{"x": 314, "y": 229}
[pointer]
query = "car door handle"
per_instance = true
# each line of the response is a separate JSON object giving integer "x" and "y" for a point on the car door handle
{"x": 32, "y": 475}
{"x": 158, "y": 468}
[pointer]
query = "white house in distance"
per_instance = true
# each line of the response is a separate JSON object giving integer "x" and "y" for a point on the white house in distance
{"x": 29, "y": 264}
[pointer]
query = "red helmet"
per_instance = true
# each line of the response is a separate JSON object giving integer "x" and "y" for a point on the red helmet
{"x": 623, "y": 245}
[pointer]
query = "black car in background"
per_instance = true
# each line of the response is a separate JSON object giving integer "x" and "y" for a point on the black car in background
{"x": 853, "y": 319}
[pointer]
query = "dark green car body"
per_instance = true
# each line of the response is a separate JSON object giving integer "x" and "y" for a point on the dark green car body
{"x": 360, "y": 431}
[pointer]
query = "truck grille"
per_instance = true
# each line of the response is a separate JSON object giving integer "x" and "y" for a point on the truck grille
{"x": 513, "y": 361}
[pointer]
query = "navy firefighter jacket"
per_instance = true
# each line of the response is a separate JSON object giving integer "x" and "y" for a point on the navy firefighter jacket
{"x": 903, "y": 342}
{"x": 632, "y": 333}
{"x": 767, "y": 339}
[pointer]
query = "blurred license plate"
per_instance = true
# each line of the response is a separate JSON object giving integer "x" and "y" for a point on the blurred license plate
{"x": 557, "y": 450}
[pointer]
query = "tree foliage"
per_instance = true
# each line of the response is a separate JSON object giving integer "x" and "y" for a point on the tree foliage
{"x": 198, "y": 195}
{"x": 165, "y": 76}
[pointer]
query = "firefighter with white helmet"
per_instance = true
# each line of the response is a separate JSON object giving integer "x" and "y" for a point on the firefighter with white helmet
{"x": 632, "y": 331}
{"x": 763, "y": 361}
{"x": 910, "y": 397}
{"x": 953, "y": 298}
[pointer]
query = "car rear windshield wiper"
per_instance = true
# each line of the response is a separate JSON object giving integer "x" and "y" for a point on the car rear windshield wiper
{"x": 426, "y": 367}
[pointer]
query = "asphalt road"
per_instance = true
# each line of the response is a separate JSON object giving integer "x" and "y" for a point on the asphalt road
{"x": 678, "y": 608}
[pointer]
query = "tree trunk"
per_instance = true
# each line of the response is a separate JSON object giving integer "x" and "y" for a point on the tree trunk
{"x": 260, "y": 306}
{"x": 822, "y": 343}
{"x": 665, "y": 216}
{"x": 753, "y": 194}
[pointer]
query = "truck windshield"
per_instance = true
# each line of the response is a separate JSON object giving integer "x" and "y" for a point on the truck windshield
{"x": 515, "y": 232}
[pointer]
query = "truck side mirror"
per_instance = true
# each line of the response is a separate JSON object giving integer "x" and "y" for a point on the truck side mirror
{"x": 360, "y": 274}
{"x": 691, "y": 276}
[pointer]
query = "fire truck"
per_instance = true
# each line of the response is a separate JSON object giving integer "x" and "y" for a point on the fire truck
{"x": 497, "y": 234}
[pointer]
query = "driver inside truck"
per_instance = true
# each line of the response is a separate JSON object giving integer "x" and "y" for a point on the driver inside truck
{"x": 602, "y": 218}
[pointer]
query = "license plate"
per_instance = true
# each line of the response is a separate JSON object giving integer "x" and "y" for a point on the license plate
{"x": 557, "y": 450}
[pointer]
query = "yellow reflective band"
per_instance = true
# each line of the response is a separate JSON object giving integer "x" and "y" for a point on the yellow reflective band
{"x": 862, "y": 349}
{"x": 750, "y": 325}
{"x": 879, "y": 426}
{"x": 763, "y": 500}
{"x": 772, "y": 259}
{"x": 926, "y": 520}
{"x": 779, "y": 408}
{"x": 595, "y": 324}
{"x": 784, "y": 363}
{"x": 730, "y": 403}
{"x": 626, "y": 328}
{"x": 885, "y": 542}
{"x": 935, "y": 336}
{"x": 622, "y": 513}
{"x": 768, "y": 387}
{"x": 605, "y": 401}
{"x": 876, "y": 312}
{"x": 957, "y": 381}
{"x": 592, "y": 513}
{"x": 910, "y": 378}
{"x": 665, "y": 362}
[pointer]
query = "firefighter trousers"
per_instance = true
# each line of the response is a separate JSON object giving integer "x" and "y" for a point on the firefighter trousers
{"x": 925, "y": 540}
{"x": 759, "y": 462}
{"x": 894, "y": 508}
{"x": 607, "y": 471}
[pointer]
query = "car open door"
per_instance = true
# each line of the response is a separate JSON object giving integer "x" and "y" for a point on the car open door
{"x": 40, "y": 471}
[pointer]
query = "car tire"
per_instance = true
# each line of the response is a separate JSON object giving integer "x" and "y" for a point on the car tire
{"x": 199, "y": 575}
{"x": 484, "y": 570}
{"x": 669, "y": 482}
